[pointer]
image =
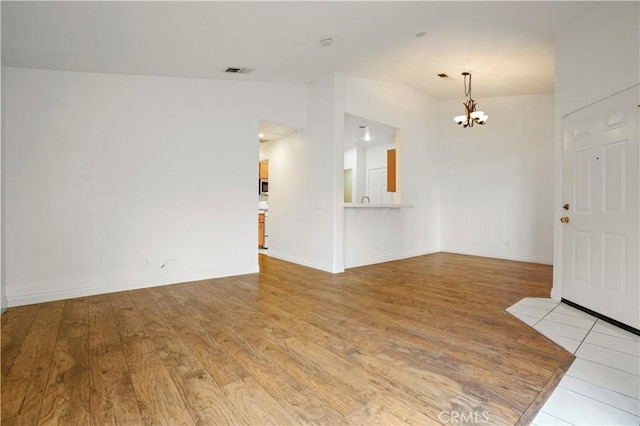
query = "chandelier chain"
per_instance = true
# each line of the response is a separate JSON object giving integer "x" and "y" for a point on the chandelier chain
{"x": 467, "y": 88}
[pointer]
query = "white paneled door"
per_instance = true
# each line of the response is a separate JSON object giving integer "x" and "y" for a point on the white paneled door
{"x": 378, "y": 186}
{"x": 601, "y": 191}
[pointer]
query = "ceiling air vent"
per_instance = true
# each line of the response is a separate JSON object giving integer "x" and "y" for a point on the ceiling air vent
{"x": 235, "y": 70}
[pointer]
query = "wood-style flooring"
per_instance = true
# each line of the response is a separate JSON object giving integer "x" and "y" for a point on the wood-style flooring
{"x": 418, "y": 341}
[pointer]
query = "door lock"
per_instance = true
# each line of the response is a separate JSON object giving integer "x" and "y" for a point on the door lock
{"x": 566, "y": 207}
{"x": 564, "y": 219}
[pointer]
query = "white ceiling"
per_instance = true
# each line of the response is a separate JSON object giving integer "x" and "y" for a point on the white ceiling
{"x": 379, "y": 133}
{"x": 508, "y": 46}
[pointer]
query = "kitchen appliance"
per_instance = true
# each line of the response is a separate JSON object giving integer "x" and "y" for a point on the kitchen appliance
{"x": 266, "y": 230}
{"x": 263, "y": 186}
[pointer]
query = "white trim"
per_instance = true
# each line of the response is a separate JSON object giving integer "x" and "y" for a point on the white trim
{"x": 505, "y": 256}
{"x": 4, "y": 304}
{"x": 70, "y": 293}
{"x": 302, "y": 261}
{"x": 354, "y": 263}
{"x": 556, "y": 290}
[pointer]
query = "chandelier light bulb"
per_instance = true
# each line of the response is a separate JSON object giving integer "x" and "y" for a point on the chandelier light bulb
{"x": 459, "y": 119}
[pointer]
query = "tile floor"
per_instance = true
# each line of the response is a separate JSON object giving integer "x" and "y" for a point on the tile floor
{"x": 602, "y": 386}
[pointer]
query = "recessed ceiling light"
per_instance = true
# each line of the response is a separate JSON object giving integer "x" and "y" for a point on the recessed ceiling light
{"x": 261, "y": 135}
{"x": 326, "y": 41}
{"x": 366, "y": 136}
{"x": 421, "y": 34}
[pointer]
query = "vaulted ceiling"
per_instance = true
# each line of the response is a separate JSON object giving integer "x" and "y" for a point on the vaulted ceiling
{"x": 508, "y": 46}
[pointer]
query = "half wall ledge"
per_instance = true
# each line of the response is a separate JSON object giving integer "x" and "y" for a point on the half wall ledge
{"x": 376, "y": 206}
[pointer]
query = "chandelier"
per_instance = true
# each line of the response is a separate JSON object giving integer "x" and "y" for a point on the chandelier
{"x": 472, "y": 116}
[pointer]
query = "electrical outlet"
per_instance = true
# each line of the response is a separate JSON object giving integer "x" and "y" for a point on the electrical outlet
{"x": 146, "y": 261}
{"x": 167, "y": 262}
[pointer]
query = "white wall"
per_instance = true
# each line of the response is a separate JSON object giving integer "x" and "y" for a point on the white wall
{"x": 597, "y": 55}
{"x": 377, "y": 155}
{"x": 306, "y": 183}
{"x": 3, "y": 286}
{"x": 360, "y": 172}
{"x": 497, "y": 179}
{"x": 104, "y": 171}
{"x": 377, "y": 235}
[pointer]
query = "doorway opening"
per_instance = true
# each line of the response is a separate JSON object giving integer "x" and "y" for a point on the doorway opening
{"x": 268, "y": 172}
{"x": 370, "y": 174}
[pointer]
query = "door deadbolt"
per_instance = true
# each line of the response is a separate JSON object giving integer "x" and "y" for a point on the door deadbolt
{"x": 566, "y": 207}
{"x": 564, "y": 219}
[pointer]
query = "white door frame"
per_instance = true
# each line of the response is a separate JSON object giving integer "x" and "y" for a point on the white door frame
{"x": 556, "y": 291}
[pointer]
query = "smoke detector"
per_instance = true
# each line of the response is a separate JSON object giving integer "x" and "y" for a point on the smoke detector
{"x": 326, "y": 41}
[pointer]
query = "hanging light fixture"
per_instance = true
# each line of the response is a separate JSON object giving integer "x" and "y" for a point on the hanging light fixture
{"x": 472, "y": 116}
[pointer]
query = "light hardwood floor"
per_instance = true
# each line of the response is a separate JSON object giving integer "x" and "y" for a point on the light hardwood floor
{"x": 419, "y": 341}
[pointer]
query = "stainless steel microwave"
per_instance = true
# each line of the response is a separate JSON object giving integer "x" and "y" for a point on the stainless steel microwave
{"x": 263, "y": 186}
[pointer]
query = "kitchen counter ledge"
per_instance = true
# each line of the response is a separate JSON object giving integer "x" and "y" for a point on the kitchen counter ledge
{"x": 375, "y": 206}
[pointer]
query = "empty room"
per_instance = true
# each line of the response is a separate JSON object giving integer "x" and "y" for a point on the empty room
{"x": 445, "y": 227}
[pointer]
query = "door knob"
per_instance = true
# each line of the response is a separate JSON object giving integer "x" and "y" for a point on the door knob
{"x": 564, "y": 219}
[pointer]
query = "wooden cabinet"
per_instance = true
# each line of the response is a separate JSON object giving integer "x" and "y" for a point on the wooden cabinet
{"x": 260, "y": 229}
{"x": 391, "y": 170}
{"x": 263, "y": 170}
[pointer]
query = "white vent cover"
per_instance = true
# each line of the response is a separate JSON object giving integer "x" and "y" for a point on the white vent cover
{"x": 237, "y": 70}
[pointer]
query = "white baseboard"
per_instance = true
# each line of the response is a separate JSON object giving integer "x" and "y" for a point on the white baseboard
{"x": 301, "y": 261}
{"x": 555, "y": 294}
{"x": 505, "y": 256}
{"x": 70, "y": 293}
{"x": 80, "y": 291}
{"x": 354, "y": 263}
